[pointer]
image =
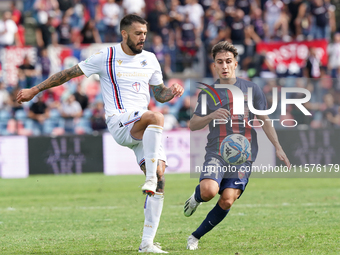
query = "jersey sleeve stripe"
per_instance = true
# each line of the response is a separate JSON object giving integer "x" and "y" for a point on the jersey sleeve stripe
{"x": 115, "y": 78}
{"x": 110, "y": 71}
{"x": 108, "y": 61}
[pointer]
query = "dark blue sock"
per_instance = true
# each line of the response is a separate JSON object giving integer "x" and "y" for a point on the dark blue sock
{"x": 198, "y": 194}
{"x": 215, "y": 216}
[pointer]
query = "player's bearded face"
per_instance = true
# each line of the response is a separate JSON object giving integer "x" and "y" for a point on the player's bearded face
{"x": 136, "y": 48}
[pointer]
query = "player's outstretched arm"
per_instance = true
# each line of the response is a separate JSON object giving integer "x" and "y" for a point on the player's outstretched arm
{"x": 57, "y": 79}
{"x": 163, "y": 94}
{"x": 272, "y": 136}
{"x": 198, "y": 122}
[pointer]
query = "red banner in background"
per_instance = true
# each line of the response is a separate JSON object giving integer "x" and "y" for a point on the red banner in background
{"x": 290, "y": 56}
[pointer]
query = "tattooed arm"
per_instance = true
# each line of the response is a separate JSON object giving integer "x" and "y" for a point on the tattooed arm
{"x": 57, "y": 79}
{"x": 163, "y": 94}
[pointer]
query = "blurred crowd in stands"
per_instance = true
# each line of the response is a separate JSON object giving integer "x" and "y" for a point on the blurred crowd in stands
{"x": 181, "y": 34}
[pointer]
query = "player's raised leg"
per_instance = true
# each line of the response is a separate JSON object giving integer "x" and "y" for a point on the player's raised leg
{"x": 214, "y": 217}
{"x": 149, "y": 128}
{"x": 152, "y": 210}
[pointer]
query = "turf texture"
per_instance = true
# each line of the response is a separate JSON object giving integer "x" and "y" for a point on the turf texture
{"x": 97, "y": 214}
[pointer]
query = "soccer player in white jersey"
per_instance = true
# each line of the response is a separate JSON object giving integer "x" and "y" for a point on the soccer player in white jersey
{"x": 125, "y": 72}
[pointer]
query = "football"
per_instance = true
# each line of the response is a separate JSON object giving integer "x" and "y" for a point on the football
{"x": 235, "y": 149}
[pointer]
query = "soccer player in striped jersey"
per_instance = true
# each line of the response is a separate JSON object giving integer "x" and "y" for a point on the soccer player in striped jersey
{"x": 229, "y": 186}
{"x": 125, "y": 72}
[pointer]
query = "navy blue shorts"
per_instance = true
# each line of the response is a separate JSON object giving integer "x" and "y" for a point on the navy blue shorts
{"x": 226, "y": 175}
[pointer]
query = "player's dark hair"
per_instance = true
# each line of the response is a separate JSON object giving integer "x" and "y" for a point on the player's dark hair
{"x": 129, "y": 19}
{"x": 223, "y": 46}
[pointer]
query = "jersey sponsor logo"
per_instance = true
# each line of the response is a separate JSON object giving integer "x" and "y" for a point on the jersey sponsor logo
{"x": 136, "y": 114}
{"x": 120, "y": 124}
{"x": 119, "y": 62}
{"x": 136, "y": 86}
{"x": 143, "y": 63}
{"x": 134, "y": 74}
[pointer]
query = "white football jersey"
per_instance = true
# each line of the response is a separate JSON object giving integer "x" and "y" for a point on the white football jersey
{"x": 124, "y": 79}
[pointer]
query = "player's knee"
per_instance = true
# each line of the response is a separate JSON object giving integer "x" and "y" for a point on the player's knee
{"x": 155, "y": 118}
{"x": 226, "y": 204}
{"x": 208, "y": 193}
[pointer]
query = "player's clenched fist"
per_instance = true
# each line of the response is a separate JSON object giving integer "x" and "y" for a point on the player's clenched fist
{"x": 220, "y": 113}
{"x": 25, "y": 95}
{"x": 177, "y": 90}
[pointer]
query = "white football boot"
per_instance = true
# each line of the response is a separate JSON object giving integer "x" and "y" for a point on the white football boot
{"x": 150, "y": 186}
{"x": 192, "y": 243}
{"x": 190, "y": 205}
{"x": 152, "y": 248}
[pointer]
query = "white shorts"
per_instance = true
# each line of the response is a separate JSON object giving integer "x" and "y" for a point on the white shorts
{"x": 120, "y": 125}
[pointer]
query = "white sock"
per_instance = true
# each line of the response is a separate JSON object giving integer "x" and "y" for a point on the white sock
{"x": 152, "y": 139}
{"x": 152, "y": 211}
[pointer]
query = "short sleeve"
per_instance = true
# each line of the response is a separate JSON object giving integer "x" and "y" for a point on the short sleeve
{"x": 156, "y": 77}
{"x": 260, "y": 102}
{"x": 93, "y": 64}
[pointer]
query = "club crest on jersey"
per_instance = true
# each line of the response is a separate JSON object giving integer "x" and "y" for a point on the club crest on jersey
{"x": 136, "y": 86}
{"x": 119, "y": 62}
{"x": 241, "y": 174}
{"x": 143, "y": 63}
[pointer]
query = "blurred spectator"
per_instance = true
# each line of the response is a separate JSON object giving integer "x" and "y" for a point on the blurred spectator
{"x": 258, "y": 25}
{"x": 297, "y": 10}
{"x": 77, "y": 15}
{"x": 5, "y": 101}
{"x": 51, "y": 99}
{"x": 153, "y": 16}
{"x": 16, "y": 14}
{"x": 65, "y": 5}
{"x": 334, "y": 56}
{"x": 176, "y": 14}
{"x": 92, "y": 7}
{"x": 247, "y": 6}
{"x": 81, "y": 97}
{"x": 70, "y": 111}
{"x": 8, "y": 31}
{"x": 111, "y": 20}
{"x": 63, "y": 33}
{"x": 90, "y": 33}
{"x": 195, "y": 14}
{"x": 13, "y": 97}
{"x": 98, "y": 122}
{"x": 272, "y": 16}
{"x": 170, "y": 121}
{"x": 45, "y": 64}
{"x": 229, "y": 10}
{"x": 184, "y": 113}
{"x": 312, "y": 67}
{"x": 165, "y": 31}
{"x": 214, "y": 16}
{"x": 331, "y": 112}
{"x": 322, "y": 19}
{"x": 38, "y": 112}
{"x": 51, "y": 7}
{"x": 27, "y": 74}
{"x": 134, "y": 7}
{"x": 187, "y": 41}
{"x": 162, "y": 54}
{"x": 44, "y": 31}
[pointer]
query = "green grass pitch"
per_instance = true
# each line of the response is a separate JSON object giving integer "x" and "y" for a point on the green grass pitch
{"x": 97, "y": 214}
